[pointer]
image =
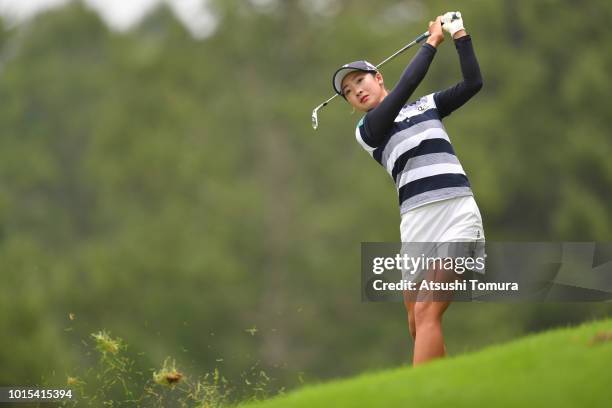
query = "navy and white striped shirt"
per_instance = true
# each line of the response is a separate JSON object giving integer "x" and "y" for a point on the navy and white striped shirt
{"x": 410, "y": 141}
{"x": 419, "y": 156}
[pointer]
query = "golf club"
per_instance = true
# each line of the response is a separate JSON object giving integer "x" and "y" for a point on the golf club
{"x": 315, "y": 111}
{"x": 315, "y": 118}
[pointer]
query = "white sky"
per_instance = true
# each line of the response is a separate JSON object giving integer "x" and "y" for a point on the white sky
{"x": 122, "y": 14}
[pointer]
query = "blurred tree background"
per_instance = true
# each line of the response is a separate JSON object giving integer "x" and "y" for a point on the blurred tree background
{"x": 171, "y": 190}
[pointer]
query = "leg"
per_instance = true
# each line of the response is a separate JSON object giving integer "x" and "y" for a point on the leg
{"x": 429, "y": 342}
{"x": 410, "y": 311}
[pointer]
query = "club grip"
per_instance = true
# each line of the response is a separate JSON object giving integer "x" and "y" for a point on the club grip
{"x": 422, "y": 37}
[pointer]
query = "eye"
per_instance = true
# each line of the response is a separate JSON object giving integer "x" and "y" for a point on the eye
{"x": 360, "y": 79}
{"x": 348, "y": 91}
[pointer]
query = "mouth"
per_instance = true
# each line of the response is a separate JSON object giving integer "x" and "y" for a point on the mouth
{"x": 363, "y": 99}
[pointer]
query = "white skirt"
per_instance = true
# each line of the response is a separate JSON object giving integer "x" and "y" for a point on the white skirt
{"x": 455, "y": 220}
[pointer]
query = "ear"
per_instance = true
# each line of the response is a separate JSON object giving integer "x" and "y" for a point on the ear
{"x": 379, "y": 78}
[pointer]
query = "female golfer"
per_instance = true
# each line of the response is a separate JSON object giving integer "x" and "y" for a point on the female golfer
{"x": 410, "y": 142}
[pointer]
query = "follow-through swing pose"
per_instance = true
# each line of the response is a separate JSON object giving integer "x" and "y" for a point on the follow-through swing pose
{"x": 411, "y": 143}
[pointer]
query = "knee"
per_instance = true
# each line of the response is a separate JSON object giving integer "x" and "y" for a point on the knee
{"x": 426, "y": 313}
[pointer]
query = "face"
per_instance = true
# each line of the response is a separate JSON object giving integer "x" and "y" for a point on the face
{"x": 363, "y": 90}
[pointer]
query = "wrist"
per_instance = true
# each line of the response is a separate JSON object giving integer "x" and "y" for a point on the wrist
{"x": 459, "y": 34}
{"x": 434, "y": 41}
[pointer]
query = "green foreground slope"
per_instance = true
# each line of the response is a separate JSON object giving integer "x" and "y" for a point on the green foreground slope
{"x": 566, "y": 367}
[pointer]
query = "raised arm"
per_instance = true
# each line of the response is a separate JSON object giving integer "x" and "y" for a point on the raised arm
{"x": 379, "y": 120}
{"x": 454, "y": 97}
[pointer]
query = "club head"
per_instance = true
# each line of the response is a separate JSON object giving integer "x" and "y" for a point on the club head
{"x": 315, "y": 119}
{"x": 315, "y": 112}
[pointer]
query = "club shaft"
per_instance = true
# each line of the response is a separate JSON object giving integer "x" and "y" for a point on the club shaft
{"x": 404, "y": 48}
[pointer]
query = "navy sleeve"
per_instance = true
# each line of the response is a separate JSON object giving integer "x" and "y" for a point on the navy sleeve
{"x": 379, "y": 120}
{"x": 454, "y": 97}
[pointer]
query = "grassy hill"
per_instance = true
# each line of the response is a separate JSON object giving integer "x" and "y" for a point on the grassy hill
{"x": 568, "y": 367}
